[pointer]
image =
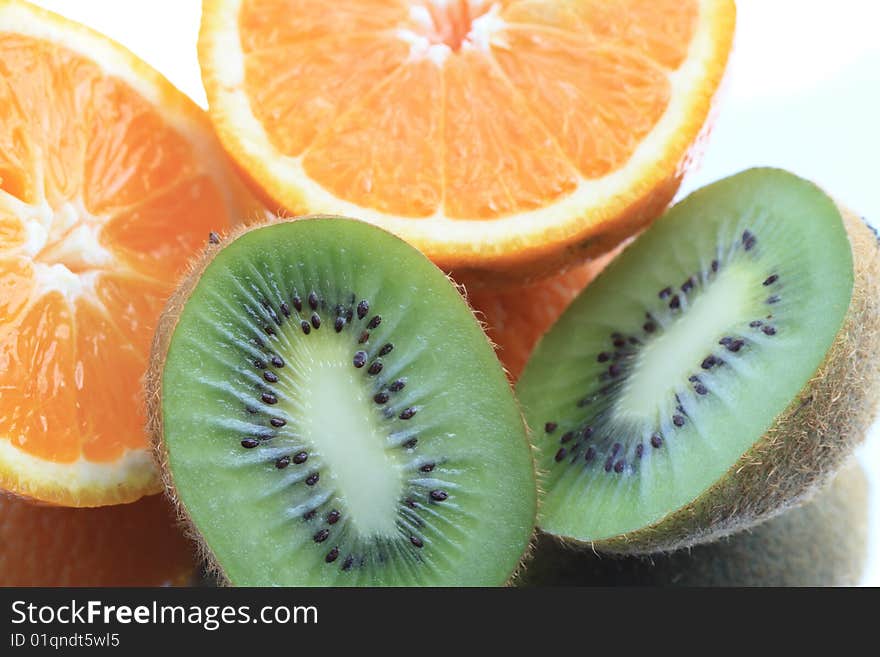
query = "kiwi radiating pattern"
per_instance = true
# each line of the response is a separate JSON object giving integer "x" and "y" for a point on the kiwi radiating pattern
{"x": 332, "y": 414}
{"x": 682, "y": 395}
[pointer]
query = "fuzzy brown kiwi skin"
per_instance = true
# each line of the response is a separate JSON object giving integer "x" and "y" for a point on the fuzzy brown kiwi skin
{"x": 807, "y": 442}
{"x": 211, "y": 568}
{"x": 821, "y": 543}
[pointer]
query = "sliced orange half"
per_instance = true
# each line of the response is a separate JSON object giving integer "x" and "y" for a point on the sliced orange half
{"x": 491, "y": 134}
{"x": 110, "y": 179}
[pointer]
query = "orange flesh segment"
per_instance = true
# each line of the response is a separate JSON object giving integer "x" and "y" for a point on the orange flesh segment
{"x": 565, "y": 90}
{"x": 369, "y": 150}
{"x": 37, "y": 364}
{"x": 300, "y": 89}
{"x": 71, "y": 362}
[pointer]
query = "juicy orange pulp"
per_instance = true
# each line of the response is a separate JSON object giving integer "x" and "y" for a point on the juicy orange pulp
{"x": 471, "y": 109}
{"x": 104, "y": 195}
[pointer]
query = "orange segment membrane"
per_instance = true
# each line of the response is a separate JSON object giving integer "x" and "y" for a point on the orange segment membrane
{"x": 658, "y": 29}
{"x": 499, "y": 158}
{"x": 159, "y": 235}
{"x": 38, "y": 404}
{"x": 267, "y": 24}
{"x": 598, "y": 102}
{"x": 297, "y": 91}
{"x": 386, "y": 151}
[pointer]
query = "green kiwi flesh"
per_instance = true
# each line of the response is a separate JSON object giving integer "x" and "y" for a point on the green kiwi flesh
{"x": 328, "y": 411}
{"x": 716, "y": 372}
{"x": 822, "y": 543}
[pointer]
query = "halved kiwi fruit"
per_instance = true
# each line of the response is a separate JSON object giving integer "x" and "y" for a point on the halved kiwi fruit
{"x": 714, "y": 373}
{"x": 822, "y": 543}
{"x": 328, "y": 412}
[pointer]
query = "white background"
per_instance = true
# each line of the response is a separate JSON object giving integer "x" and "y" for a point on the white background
{"x": 802, "y": 93}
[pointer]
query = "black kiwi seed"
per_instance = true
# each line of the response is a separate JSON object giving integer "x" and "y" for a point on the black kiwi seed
{"x": 313, "y": 478}
{"x": 709, "y": 362}
{"x": 590, "y": 454}
{"x": 261, "y": 364}
{"x": 339, "y": 324}
{"x": 397, "y": 386}
{"x": 428, "y": 467}
{"x": 332, "y": 555}
{"x": 756, "y": 323}
{"x": 701, "y": 389}
{"x": 649, "y": 327}
{"x": 269, "y": 330}
{"x": 282, "y": 463}
{"x": 770, "y": 280}
{"x": 407, "y": 413}
{"x": 346, "y": 565}
{"x": 688, "y": 285}
{"x": 386, "y": 349}
{"x": 250, "y": 409}
{"x": 412, "y": 442}
{"x": 321, "y": 535}
{"x": 269, "y": 398}
{"x": 363, "y": 308}
{"x": 364, "y": 337}
{"x": 609, "y": 463}
{"x": 773, "y": 299}
{"x": 249, "y": 443}
{"x": 297, "y": 303}
{"x": 560, "y": 454}
{"x": 277, "y": 422}
{"x": 373, "y": 323}
{"x": 588, "y": 431}
{"x": 270, "y": 376}
{"x": 416, "y": 541}
{"x": 640, "y": 450}
{"x": 675, "y": 302}
{"x": 381, "y": 397}
{"x": 316, "y": 321}
{"x": 360, "y": 359}
{"x": 566, "y": 437}
{"x": 656, "y": 440}
{"x": 618, "y": 467}
{"x": 678, "y": 420}
{"x": 333, "y": 517}
{"x": 313, "y": 301}
{"x": 285, "y": 309}
{"x": 550, "y": 427}
{"x": 748, "y": 240}
{"x": 259, "y": 342}
{"x": 300, "y": 457}
{"x": 603, "y": 357}
{"x": 374, "y": 368}
{"x": 736, "y": 345}
{"x": 213, "y": 238}
{"x": 411, "y": 503}
{"x": 665, "y": 292}
{"x": 769, "y": 330}
{"x": 277, "y": 361}
{"x": 439, "y": 495}
{"x": 306, "y": 328}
